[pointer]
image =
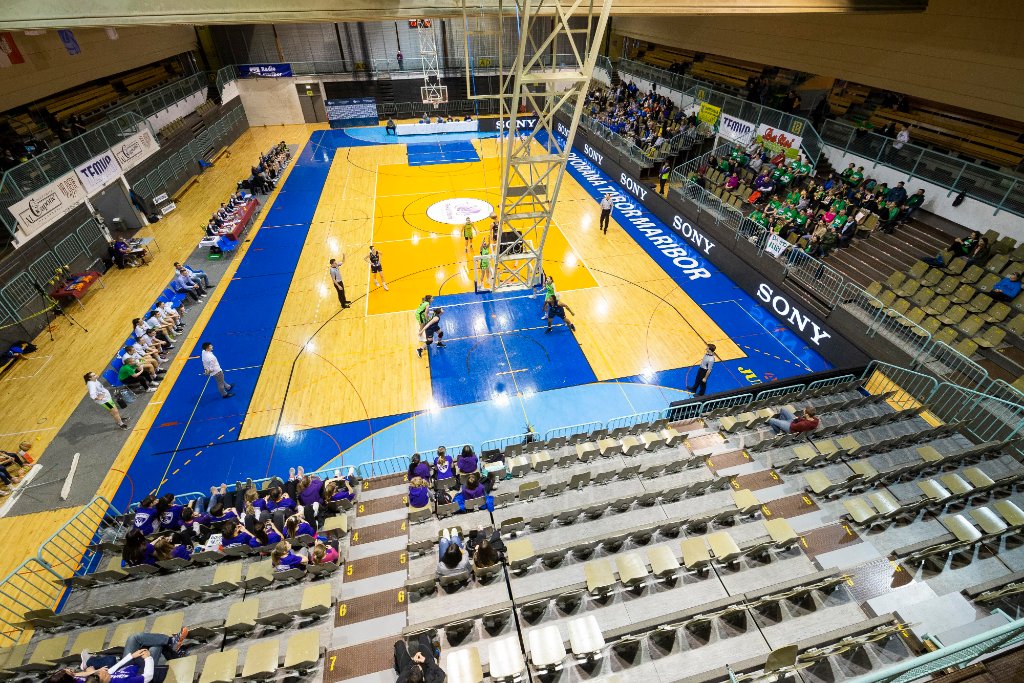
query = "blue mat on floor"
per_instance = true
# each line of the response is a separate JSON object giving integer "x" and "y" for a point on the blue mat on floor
{"x": 430, "y": 153}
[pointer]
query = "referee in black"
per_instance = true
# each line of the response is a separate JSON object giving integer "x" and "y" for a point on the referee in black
{"x": 339, "y": 286}
{"x": 700, "y": 384}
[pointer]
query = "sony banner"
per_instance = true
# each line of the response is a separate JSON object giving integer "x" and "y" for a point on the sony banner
{"x": 523, "y": 123}
{"x": 132, "y": 151}
{"x": 98, "y": 172}
{"x": 735, "y": 130}
{"x": 46, "y": 205}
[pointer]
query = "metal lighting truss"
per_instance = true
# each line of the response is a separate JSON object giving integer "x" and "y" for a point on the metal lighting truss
{"x": 533, "y": 160}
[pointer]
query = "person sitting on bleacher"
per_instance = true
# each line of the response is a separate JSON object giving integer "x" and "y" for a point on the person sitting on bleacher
{"x": 217, "y": 514}
{"x": 888, "y": 214}
{"x": 444, "y": 470}
{"x": 282, "y": 558}
{"x": 788, "y": 423}
{"x": 450, "y": 556}
{"x": 467, "y": 461}
{"x": 168, "y": 513}
{"x": 337, "y": 490}
{"x": 296, "y": 526}
{"x": 322, "y": 553}
{"x": 233, "y": 533}
{"x": 961, "y": 246}
{"x": 137, "y": 664}
{"x": 280, "y": 505}
{"x": 267, "y": 535}
{"x": 164, "y": 548}
{"x": 137, "y": 550}
{"x": 912, "y": 204}
{"x": 419, "y": 493}
{"x": 417, "y": 664}
{"x": 418, "y": 467}
{"x": 1006, "y": 289}
{"x": 185, "y": 282}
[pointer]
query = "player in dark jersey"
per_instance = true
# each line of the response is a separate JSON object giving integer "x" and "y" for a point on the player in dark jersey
{"x": 433, "y": 327}
{"x": 376, "y": 269}
{"x": 557, "y": 309}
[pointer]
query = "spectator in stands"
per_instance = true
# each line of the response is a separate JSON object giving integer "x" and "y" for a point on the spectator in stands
{"x": 147, "y": 360}
{"x": 467, "y": 461}
{"x": 137, "y": 550}
{"x": 416, "y": 664}
{"x": 450, "y": 556}
{"x": 961, "y": 246}
{"x": 473, "y": 488}
{"x": 419, "y": 493}
{"x": 1006, "y": 289}
{"x": 786, "y": 422}
{"x": 168, "y": 513}
{"x": 902, "y": 138}
{"x": 234, "y": 533}
{"x": 979, "y": 254}
{"x": 897, "y": 194}
{"x": 888, "y": 217}
{"x": 912, "y": 204}
{"x": 323, "y": 553}
{"x": 337, "y": 490}
{"x": 732, "y": 182}
{"x": 444, "y": 469}
{"x": 418, "y": 467}
{"x": 282, "y": 558}
{"x": 164, "y": 548}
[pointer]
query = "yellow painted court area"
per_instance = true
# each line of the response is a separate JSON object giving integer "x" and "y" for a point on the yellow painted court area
{"x": 328, "y": 366}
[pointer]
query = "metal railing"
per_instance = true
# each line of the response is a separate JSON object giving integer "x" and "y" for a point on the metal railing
{"x": 621, "y": 144}
{"x": 572, "y": 430}
{"x": 378, "y": 468}
{"x": 1001, "y": 191}
{"x": 174, "y": 171}
{"x": 751, "y": 112}
{"x": 157, "y": 100}
{"x": 956, "y": 656}
{"x": 68, "y": 550}
{"x": 32, "y": 586}
{"x": 21, "y": 181}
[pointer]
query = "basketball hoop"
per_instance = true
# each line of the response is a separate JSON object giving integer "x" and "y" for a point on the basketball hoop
{"x": 434, "y": 95}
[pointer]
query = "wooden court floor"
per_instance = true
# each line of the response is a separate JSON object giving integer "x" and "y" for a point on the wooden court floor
{"x": 327, "y": 366}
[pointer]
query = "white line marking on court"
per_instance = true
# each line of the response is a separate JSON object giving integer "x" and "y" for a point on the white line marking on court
{"x": 66, "y": 489}
{"x": 768, "y": 332}
{"x": 13, "y": 498}
{"x": 30, "y": 431}
{"x": 38, "y": 367}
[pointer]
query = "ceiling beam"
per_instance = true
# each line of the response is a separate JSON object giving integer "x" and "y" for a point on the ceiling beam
{"x": 42, "y": 14}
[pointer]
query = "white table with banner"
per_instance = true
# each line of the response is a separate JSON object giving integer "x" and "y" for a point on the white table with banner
{"x": 435, "y": 128}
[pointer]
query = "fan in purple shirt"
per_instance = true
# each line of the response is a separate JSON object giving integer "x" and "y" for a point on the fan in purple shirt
{"x": 282, "y": 558}
{"x": 234, "y": 533}
{"x": 145, "y": 515}
{"x": 419, "y": 493}
{"x": 443, "y": 470}
{"x": 418, "y": 467}
{"x": 308, "y": 489}
{"x": 296, "y": 526}
{"x": 136, "y": 549}
{"x": 467, "y": 461}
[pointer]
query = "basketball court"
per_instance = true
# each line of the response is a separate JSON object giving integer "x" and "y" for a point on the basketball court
{"x": 315, "y": 382}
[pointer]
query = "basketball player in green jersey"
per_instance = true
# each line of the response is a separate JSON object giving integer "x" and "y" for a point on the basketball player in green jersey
{"x": 467, "y": 235}
{"x": 423, "y": 314}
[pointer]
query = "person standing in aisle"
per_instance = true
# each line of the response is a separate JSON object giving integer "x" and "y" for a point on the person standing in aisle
{"x": 700, "y": 384}
{"x": 211, "y": 368}
{"x": 376, "y": 269}
{"x": 99, "y": 394}
{"x": 606, "y": 212}
{"x": 339, "y": 286}
{"x": 663, "y": 177}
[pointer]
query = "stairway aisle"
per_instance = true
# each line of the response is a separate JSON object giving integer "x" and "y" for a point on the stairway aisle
{"x": 372, "y": 608}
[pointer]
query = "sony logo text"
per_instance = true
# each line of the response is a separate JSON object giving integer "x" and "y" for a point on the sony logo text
{"x": 790, "y": 313}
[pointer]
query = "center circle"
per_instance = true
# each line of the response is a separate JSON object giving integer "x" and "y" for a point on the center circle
{"x": 456, "y": 211}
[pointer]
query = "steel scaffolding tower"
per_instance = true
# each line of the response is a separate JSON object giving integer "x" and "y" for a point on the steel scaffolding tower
{"x": 558, "y": 46}
{"x": 432, "y": 91}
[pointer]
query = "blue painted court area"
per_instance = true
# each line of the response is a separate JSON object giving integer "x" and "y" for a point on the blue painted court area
{"x": 497, "y": 348}
{"x": 431, "y": 153}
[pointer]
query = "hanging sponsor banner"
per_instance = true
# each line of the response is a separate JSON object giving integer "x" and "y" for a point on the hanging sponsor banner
{"x": 522, "y": 123}
{"x": 776, "y": 245}
{"x": 776, "y": 141}
{"x": 708, "y": 113}
{"x": 44, "y": 206}
{"x": 130, "y": 152}
{"x": 98, "y": 172}
{"x": 9, "y": 52}
{"x": 264, "y": 70}
{"x": 70, "y": 44}
{"x": 735, "y": 130}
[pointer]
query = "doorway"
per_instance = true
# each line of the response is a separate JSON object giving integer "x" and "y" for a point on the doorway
{"x": 312, "y": 102}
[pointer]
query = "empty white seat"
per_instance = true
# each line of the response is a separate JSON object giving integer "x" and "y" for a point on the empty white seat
{"x": 546, "y": 648}
{"x": 505, "y": 659}
{"x": 463, "y": 666}
{"x": 585, "y": 637}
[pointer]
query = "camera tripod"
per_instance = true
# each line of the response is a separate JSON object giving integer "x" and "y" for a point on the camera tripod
{"x": 52, "y": 307}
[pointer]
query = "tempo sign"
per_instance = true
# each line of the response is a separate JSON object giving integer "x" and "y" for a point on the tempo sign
{"x": 735, "y": 130}
{"x": 98, "y": 172}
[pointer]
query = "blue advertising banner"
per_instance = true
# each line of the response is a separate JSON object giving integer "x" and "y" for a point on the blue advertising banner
{"x": 264, "y": 70}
